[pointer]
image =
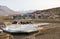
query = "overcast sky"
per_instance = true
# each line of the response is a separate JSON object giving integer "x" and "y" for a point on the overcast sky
{"x": 18, "y": 5}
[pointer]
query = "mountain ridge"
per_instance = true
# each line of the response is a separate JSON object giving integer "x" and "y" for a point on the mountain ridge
{"x": 6, "y": 11}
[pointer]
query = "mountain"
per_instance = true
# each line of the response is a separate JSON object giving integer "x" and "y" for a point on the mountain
{"x": 6, "y": 11}
{"x": 26, "y": 12}
{"x": 52, "y": 11}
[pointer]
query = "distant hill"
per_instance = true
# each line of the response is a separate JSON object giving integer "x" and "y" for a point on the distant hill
{"x": 6, "y": 11}
{"x": 52, "y": 11}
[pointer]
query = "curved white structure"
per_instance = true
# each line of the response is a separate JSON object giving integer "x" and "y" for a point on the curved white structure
{"x": 23, "y": 27}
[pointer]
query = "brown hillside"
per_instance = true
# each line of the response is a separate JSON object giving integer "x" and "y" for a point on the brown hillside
{"x": 6, "y": 11}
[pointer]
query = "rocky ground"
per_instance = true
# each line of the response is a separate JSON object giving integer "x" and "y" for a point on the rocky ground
{"x": 51, "y": 31}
